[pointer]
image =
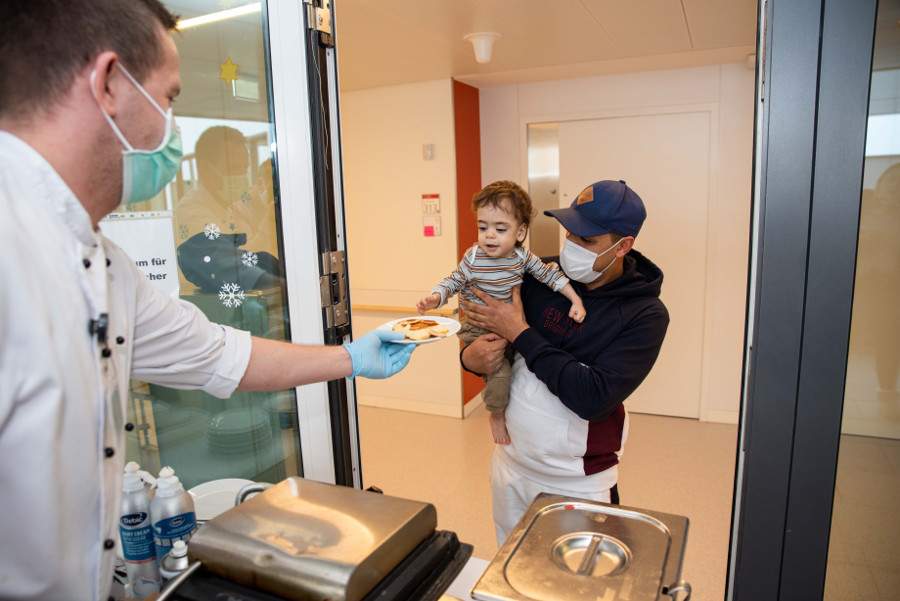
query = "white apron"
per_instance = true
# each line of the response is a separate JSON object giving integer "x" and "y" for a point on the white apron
{"x": 545, "y": 455}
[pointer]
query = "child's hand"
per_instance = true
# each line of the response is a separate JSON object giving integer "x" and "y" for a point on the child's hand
{"x": 428, "y": 302}
{"x": 577, "y": 312}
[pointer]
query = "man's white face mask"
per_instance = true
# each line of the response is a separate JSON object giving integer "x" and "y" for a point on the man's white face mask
{"x": 578, "y": 262}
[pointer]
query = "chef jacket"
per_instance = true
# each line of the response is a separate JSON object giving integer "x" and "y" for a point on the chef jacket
{"x": 64, "y": 376}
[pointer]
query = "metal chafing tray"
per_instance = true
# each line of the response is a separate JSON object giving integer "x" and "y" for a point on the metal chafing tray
{"x": 312, "y": 541}
{"x": 567, "y": 549}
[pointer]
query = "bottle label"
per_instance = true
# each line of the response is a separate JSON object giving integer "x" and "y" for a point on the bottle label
{"x": 137, "y": 540}
{"x": 168, "y": 530}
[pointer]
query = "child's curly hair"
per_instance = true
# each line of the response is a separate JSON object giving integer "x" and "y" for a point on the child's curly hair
{"x": 519, "y": 201}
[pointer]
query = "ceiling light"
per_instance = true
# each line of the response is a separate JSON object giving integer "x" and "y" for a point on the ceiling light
{"x": 483, "y": 43}
{"x": 219, "y": 16}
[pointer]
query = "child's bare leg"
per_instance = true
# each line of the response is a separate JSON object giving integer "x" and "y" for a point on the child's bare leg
{"x": 496, "y": 398}
{"x": 498, "y": 427}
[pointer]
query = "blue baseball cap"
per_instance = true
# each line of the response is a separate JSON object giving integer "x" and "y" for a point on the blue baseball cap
{"x": 607, "y": 206}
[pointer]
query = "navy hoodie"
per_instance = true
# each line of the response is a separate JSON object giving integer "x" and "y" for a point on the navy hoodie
{"x": 592, "y": 367}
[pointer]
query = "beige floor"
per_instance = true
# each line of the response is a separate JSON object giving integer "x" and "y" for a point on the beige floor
{"x": 672, "y": 465}
{"x": 864, "y": 549}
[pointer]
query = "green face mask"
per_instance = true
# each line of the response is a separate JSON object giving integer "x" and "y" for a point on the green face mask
{"x": 146, "y": 172}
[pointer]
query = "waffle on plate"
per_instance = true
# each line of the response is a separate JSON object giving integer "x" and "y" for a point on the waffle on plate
{"x": 421, "y": 329}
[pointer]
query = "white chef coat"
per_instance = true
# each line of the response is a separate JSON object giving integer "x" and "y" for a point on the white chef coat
{"x": 63, "y": 392}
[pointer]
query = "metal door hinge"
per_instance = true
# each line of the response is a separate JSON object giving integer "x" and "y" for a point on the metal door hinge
{"x": 333, "y": 288}
{"x": 319, "y": 17}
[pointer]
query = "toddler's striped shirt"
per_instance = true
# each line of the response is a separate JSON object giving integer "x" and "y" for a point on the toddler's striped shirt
{"x": 497, "y": 276}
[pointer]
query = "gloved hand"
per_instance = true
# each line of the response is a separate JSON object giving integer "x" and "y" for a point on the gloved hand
{"x": 375, "y": 357}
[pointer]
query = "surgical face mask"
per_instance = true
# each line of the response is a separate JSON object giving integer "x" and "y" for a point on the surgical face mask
{"x": 578, "y": 262}
{"x": 146, "y": 172}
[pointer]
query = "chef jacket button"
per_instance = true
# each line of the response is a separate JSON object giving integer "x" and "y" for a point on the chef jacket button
{"x": 109, "y": 451}
{"x": 109, "y": 543}
{"x": 106, "y": 352}
{"x": 120, "y": 340}
{"x": 129, "y": 427}
{"x": 86, "y": 263}
{"x": 108, "y": 262}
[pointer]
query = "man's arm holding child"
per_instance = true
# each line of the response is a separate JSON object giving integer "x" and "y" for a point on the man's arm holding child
{"x": 592, "y": 390}
{"x": 484, "y": 355}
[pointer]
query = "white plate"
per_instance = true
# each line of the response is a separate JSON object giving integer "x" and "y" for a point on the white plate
{"x": 452, "y": 324}
{"x": 217, "y": 496}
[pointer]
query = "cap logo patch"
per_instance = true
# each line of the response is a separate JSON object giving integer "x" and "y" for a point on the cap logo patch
{"x": 587, "y": 195}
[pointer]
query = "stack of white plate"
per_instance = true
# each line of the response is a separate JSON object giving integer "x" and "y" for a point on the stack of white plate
{"x": 180, "y": 425}
{"x": 238, "y": 431}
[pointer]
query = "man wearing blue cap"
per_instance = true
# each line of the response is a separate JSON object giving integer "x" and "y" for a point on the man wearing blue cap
{"x": 565, "y": 417}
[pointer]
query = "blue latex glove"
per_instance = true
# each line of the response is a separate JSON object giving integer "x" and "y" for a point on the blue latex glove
{"x": 375, "y": 357}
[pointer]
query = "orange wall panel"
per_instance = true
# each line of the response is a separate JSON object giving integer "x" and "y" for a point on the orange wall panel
{"x": 468, "y": 182}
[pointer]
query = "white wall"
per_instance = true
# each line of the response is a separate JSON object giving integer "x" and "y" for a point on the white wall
{"x": 507, "y": 110}
{"x": 391, "y": 263}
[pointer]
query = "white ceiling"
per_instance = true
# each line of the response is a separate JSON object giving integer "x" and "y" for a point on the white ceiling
{"x": 389, "y": 42}
{"x": 383, "y": 43}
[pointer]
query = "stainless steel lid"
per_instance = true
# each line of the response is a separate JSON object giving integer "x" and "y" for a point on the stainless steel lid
{"x": 572, "y": 549}
{"x": 308, "y": 540}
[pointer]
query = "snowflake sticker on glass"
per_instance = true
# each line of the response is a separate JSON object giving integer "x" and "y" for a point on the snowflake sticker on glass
{"x": 211, "y": 230}
{"x": 231, "y": 295}
{"x": 249, "y": 259}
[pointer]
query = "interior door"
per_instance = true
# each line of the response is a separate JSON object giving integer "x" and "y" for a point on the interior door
{"x": 665, "y": 159}
{"x": 256, "y": 228}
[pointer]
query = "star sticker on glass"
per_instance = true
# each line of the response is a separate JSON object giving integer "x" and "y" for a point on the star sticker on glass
{"x": 228, "y": 71}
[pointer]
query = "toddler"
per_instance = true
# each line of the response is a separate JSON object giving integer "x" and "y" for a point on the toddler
{"x": 495, "y": 265}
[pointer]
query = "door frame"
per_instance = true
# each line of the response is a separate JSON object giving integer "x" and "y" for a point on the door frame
{"x": 310, "y": 171}
{"x": 812, "y": 112}
{"x": 294, "y": 167}
{"x": 712, "y": 109}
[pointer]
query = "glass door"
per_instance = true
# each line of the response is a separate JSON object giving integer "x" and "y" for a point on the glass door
{"x": 865, "y": 526}
{"x": 808, "y": 263}
{"x": 243, "y": 242}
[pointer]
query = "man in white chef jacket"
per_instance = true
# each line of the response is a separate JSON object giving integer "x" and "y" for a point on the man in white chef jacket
{"x": 86, "y": 88}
